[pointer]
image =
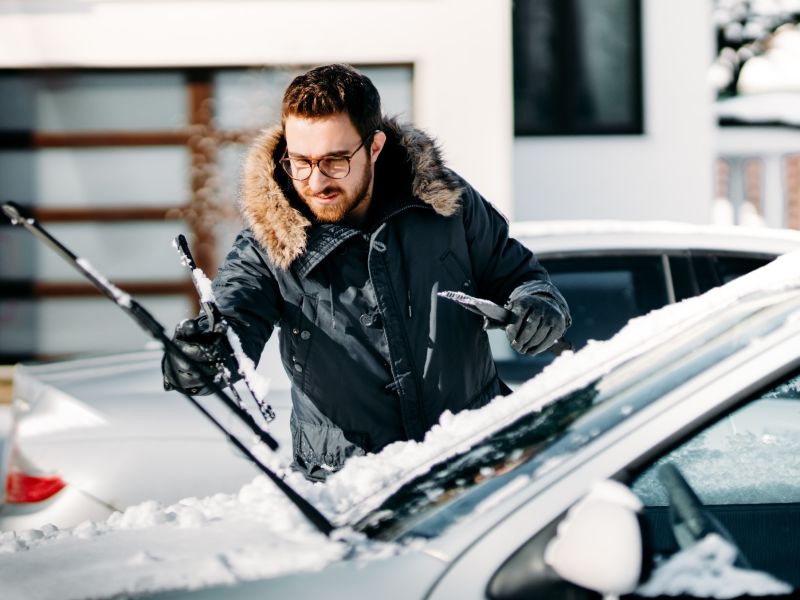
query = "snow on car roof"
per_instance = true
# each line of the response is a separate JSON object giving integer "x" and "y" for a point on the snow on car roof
{"x": 258, "y": 533}
{"x": 606, "y": 235}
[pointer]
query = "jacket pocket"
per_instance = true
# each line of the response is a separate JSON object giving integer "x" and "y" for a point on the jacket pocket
{"x": 458, "y": 273}
{"x": 320, "y": 450}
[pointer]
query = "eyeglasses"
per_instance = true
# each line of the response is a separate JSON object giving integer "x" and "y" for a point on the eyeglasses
{"x": 335, "y": 167}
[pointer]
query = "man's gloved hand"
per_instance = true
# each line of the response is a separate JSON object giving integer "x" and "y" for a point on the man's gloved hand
{"x": 207, "y": 348}
{"x": 538, "y": 322}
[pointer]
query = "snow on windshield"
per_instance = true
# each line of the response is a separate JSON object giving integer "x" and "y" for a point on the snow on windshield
{"x": 257, "y": 533}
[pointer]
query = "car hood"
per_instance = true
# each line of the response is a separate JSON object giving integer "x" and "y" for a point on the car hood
{"x": 413, "y": 573}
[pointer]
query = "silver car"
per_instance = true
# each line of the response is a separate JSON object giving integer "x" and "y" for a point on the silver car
{"x": 95, "y": 435}
{"x": 689, "y": 417}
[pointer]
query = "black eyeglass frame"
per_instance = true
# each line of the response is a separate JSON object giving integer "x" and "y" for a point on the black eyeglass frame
{"x": 286, "y": 161}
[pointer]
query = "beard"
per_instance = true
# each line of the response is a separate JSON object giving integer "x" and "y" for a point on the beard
{"x": 348, "y": 201}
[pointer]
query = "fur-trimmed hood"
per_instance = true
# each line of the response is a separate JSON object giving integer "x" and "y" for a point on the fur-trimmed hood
{"x": 411, "y": 159}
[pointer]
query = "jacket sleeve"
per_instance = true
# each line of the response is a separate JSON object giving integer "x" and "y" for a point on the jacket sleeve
{"x": 247, "y": 294}
{"x": 500, "y": 263}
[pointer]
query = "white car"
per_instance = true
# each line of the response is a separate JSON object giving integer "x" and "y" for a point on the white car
{"x": 689, "y": 417}
{"x": 95, "y": 435}
{"x": 92, "y": 436}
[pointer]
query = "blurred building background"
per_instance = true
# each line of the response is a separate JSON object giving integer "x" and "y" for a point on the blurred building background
{"x": 123, "y": 123}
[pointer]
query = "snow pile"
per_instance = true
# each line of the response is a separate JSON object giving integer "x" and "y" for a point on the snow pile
{"x": 223, "y": 539}
{"x": 707, "y": 570}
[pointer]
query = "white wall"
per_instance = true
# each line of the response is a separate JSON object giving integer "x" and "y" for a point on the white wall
{"x": 665, "y": 173}
{"x": 461, "y": 50}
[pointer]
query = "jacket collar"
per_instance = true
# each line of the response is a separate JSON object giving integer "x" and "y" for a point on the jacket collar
{"x": 409, "y": 170}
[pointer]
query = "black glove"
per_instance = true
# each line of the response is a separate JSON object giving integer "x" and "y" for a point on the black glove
{"x": 210, "y": 351}
{"x": 538, "y": 322}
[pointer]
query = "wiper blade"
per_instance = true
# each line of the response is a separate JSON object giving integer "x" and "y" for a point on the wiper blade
{"x": 149, "y": 324}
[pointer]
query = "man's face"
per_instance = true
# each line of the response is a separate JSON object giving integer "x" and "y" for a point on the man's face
{"x": 332, "y": 200}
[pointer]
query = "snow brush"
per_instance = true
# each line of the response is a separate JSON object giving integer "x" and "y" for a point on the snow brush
{"x": 495, "y": 315}
{"x": 151, "y": 326}
{"x": 216, "y": 322}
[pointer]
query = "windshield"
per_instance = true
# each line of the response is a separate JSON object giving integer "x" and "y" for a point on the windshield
{"x": 537, "y": 441}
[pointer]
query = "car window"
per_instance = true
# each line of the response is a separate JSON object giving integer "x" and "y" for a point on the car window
{"x": 730, "y": 267}
{"x": 751, "y": 456}
{"x": 603, "y": 293}
{"x": 744, "y": 470}
{"x": 713, "y": 269}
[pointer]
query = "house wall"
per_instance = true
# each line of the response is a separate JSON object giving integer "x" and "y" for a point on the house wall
{"x": 461, "y": 52}
{"x": 665, "y": 173}
{"x": 460, "y": 49}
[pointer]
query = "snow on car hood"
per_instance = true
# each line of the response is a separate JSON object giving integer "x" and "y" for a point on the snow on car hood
{"x": 258, "y": 533}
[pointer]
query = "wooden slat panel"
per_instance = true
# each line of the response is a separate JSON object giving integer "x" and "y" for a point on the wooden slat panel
{"x": 44, "y": 139}
{"x": 108, "y": 214}
{"x": 108, "y": 138}
{"x": 203, "y": 147}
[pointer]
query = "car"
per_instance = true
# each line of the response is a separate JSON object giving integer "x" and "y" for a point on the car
{"x": 612, "y": 271}
{"x": 95, "y": 435}
{"x": 679, "y": 435}
{"x": 663, "y": 461}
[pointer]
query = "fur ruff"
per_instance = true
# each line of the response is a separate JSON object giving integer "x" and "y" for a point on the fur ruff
{"x": 281, "y": 228}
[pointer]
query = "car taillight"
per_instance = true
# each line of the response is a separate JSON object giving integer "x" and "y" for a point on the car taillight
{"x": 23, "y": 488}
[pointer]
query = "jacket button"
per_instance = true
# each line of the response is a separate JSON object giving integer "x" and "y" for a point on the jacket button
{"x": 305, "y": 335}
{"x": 466, "y": 284}
{"x": 298, "y": 368}
{"x": 295, "y": 331}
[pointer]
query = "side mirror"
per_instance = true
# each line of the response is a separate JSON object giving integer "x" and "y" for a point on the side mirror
{"x": 598, "y": 545}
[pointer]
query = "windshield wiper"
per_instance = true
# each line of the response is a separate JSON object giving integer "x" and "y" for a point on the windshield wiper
{"x": 152, "y": 327}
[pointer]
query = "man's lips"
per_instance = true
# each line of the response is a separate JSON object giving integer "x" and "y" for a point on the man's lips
{"x": 326, "y": 198}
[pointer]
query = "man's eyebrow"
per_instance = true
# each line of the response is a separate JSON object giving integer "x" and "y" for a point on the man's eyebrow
{"x": 333, "y": 154}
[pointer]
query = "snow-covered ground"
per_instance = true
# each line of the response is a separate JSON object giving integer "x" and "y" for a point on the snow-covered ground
{"x": 258, "y": 533}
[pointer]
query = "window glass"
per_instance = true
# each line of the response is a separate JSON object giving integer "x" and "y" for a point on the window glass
{"x": 79, "y": 325}
{"x": 120, "y": 251}
{"x": 249, "y": 98}
{"x": 603, "y": 293}
{"x": 577, "y": 67}
{"x": 751, "y": 456}
{"x": 96, "y": 177}
{"x": 71, "y": 102}
{"x": 730, "y": 267}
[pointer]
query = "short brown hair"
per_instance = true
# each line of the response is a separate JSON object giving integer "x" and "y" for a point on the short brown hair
{"x": 333, "y": 89}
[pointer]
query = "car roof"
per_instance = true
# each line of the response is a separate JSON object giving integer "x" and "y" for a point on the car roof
{"x": 556, "y": 237}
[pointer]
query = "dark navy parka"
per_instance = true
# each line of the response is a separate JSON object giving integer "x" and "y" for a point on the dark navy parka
{"x": 374, "y": 355}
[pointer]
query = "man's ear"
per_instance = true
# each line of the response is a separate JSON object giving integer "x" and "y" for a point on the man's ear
{"x": 378, "y": 141}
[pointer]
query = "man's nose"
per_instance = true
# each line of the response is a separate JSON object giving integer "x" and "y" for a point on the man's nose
{"x": 317, "y": 181}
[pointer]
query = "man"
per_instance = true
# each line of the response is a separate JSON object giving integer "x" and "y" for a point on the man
{"x": 355, "y": 224}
